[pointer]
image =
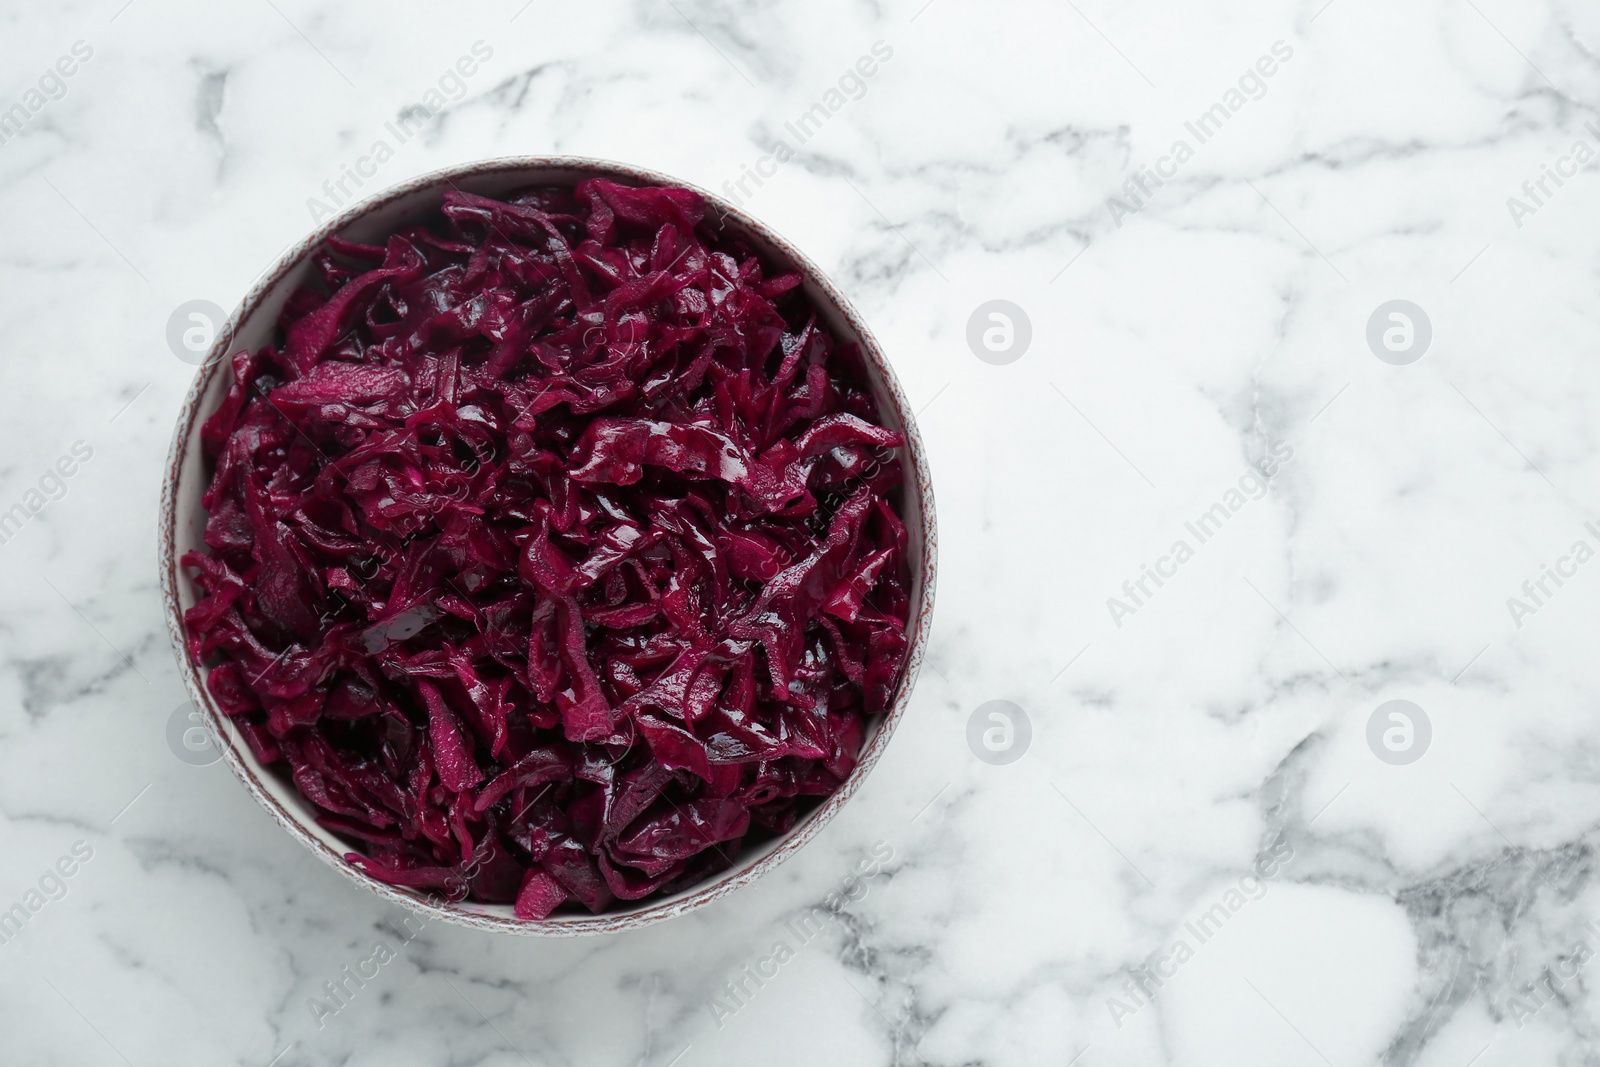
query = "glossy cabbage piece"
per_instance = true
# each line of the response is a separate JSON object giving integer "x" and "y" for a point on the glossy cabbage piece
{"x": 550, "y": 549}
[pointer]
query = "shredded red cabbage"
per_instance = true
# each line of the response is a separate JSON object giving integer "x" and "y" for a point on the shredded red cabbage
{"x": 550, "y": 549}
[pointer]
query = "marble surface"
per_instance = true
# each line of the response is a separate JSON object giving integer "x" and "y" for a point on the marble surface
{"x": 1199, "y": 857}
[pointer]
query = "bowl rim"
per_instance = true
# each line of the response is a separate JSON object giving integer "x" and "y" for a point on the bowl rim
{"x": 243, "y": 764}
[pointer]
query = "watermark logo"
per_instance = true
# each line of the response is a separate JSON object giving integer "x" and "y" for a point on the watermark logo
{"x": 51, "y": 85}
{"x": 999, "y": 732}
{"x": 52, "y": 886}
{"x": 851, "y": 85}
{"x": 192, "y": 329}
{"x": 52, "y": 486}
{"x": 999, "y": 332}
{"x": 1399, "y": 332}
{"x": 1253, "y": 484}
{"x": 1399, "y": 732}
{"x": 1147, "y": 179}
{"x": 1145, "y": 981}
{"x": 799, "y": 931}
{"x": 1537, "y": 592}
{"x": 188, "y": 737}
{"x": 449, "y": 87}
{"x": 1536, "y": 191}
{"x": 340, "y": 991}
{"x": 1548, "y": 988}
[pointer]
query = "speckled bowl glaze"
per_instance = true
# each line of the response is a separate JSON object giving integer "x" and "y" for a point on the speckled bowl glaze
{"x": 182, "y": 524}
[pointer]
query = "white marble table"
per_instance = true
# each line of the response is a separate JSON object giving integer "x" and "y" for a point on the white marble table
{"x": 1199, "y": 858}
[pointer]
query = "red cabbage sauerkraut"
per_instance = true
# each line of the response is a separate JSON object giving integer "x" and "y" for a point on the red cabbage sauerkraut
{"x": 552, "y": 550}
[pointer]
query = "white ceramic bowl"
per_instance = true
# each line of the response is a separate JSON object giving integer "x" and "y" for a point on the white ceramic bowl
{"x": 251, "y": 326}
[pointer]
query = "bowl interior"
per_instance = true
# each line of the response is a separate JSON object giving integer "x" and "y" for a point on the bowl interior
{"x": 252, "y": 326}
